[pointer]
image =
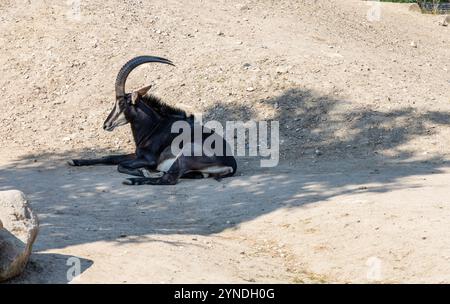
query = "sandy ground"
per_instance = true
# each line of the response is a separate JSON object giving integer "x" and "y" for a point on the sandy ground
{"x": 332, "y": 222}
{"x": 371, "y": 97}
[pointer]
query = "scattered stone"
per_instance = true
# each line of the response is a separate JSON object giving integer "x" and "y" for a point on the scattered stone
{"x": 413, "y": 44}
{"x": 282, "y": 70}
{"x": 18, "y": 230}
{"x": 250, "y": 89}
{"x": 220, "y": 33}
{"x": 243, "y": 7}
{"x": 94, "y": 43}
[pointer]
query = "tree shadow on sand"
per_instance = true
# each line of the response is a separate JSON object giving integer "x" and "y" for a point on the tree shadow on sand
{"x": 309, "y": 121}
{"x": 89, "y": 204}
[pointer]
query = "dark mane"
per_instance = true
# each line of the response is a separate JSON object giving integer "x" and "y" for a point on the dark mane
{"x": 161, "y": 107}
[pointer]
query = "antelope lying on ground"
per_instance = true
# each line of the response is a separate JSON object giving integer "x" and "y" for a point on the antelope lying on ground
{"x": 151, "y": 123}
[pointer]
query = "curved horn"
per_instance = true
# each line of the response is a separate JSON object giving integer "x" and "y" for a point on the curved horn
{"x": 130, "y": 66}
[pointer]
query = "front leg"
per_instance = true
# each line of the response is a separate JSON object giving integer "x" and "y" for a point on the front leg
{"x": 106, "y": 160}
{"x": 166, "y": 179}
{"x": 138, "y": 167}
{"x": 127, "y": 170}
{"x": 141, "y": 172}
{"x": 145, "y": 157}
{"x": 169, "y": 178}
{"x": 139, "y": 163}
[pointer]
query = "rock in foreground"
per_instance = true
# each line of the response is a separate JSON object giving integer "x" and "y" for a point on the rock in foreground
{"x": 18, "y": 230}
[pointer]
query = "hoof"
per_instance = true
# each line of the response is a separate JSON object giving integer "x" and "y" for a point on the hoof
{"x": 128, "y": 182}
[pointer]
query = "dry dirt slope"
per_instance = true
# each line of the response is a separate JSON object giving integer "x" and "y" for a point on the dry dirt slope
{"x": 337, "y": 82}
{"x": 333, "y": 79}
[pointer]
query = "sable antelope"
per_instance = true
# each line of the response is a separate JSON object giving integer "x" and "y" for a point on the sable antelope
{"x": 151, "y": 123}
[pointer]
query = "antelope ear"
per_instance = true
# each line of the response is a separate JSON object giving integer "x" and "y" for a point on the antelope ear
{"x": 144, "y": 90}
{"x": 139, "y": 93}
